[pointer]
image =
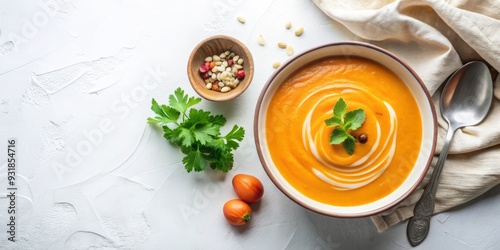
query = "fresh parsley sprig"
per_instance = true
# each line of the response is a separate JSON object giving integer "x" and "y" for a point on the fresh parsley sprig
{"x": 344, "y": 122}
{"x": 197, "y": 133}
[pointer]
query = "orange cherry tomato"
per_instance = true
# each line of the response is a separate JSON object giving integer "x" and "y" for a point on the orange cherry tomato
{"x": 248, "y": 187}
{"x": 237, "y": 212}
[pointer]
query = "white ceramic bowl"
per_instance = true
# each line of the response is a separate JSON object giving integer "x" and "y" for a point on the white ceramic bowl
{"x": 390, "y": 61}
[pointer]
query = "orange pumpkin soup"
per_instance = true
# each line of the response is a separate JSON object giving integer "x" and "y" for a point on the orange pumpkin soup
{"x": 298, "y": 138}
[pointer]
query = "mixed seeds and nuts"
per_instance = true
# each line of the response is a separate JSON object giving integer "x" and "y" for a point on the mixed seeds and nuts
{"x": 222, "y": 72}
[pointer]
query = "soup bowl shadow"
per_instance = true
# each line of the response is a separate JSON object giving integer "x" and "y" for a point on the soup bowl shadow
{"x": 391, "y": 62}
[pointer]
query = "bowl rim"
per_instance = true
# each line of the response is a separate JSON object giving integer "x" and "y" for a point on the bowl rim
{"x": 233, "y": 93}
{"x": 305, "y": 204}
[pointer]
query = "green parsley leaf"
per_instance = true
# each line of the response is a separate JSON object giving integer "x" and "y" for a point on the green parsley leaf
{"x": 215, "y": 145}
{"x": 197, "y": 133}
{"x": 155, "y": 120}
{"x": 181, "y": 101}
{"x": 197, "y": 116}
{"x": 165, "y": 114}
{"x": 172, "y": 135}
{"x": 206, "y": 133}
{"x": 187, "y": 150}
{"x": 156, "y": 108}
{"x": 217, "y": 120}
{"x": 170, "y": 113}
{"x": 186, "y": 136}
{"x": 194, "y": 160}
{"x": 344, "y": 122}
{"x": 224, "y": 162}
{"x": 236, "y": 134}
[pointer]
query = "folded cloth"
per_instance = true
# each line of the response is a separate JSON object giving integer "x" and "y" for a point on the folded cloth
{"x": 436, "y": 37}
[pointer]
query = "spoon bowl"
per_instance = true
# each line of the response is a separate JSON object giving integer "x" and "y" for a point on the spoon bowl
{"x": 465, "y": 101}
{"x": 466, "y": 106}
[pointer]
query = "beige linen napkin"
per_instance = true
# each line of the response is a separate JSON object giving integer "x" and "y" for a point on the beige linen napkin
{"x": 436, "y": 37}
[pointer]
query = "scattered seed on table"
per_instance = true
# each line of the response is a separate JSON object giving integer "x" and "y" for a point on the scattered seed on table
{"x": 288, "y": 24}
{"x": 261, "y": 40}
{"x": 241, "y": 19}
{"x": 289, "y": 50}
{"x": 282, "y": 45}
{"x": 299, "y": 31}
{"x": 276, "y": 64}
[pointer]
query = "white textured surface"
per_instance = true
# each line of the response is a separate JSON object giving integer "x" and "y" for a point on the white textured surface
{"x": 76, "y": 80}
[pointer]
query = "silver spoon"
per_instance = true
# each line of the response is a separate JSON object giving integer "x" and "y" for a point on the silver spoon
{"x": 465, "y": 101}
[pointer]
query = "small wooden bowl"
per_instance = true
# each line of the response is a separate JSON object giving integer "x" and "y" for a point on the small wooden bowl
{"x": 216, "y": 45}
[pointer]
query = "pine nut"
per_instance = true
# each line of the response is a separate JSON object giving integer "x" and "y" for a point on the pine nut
{"x": 288, "y": 24}
{"x": 241, "y": 19}
{"x": 299, "y": 31}
{"x": 289, "y": 50}
{"x": 261, "y": 40}
{"x": 282, "y": 45}
{"x": 225, "y": 89}
{"x": 276, "y": 64}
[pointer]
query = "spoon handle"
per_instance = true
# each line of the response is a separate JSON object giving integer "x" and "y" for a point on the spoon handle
{"x": 418, "y": 225}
